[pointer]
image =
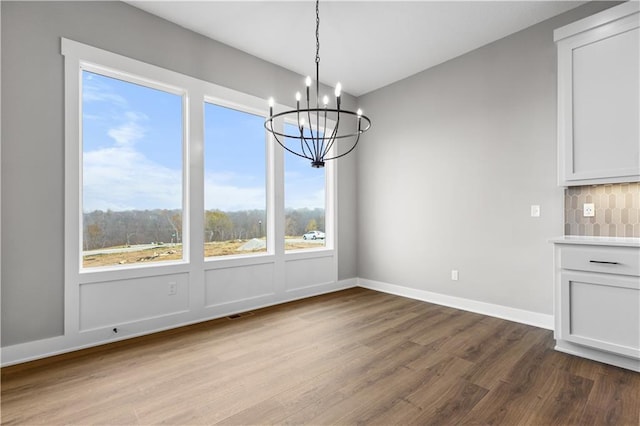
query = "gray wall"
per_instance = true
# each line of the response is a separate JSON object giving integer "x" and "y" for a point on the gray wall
{"x": 33, "y": 144}
{"x": 476, "y": 131}
{"x": 446, "y": 177}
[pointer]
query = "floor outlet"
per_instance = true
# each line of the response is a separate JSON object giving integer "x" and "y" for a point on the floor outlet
{"x": 588, "y": 210}
{"x": 454, "y": 275}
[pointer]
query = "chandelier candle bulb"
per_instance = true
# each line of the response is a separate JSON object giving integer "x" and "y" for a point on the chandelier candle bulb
{"x": 271, "y": 103}
{"x": 325, "y": 100}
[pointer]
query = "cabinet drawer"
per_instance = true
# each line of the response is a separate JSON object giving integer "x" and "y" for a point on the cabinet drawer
{"x": 610, "y": 260}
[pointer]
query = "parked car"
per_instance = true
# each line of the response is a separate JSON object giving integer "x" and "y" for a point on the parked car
{"x": 313, "y": 235}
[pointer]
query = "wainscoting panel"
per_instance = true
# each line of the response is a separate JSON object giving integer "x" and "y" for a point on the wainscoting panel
{"x": 303, "y": 273}
{"x": 235, "y": 284}
{"x": 109, "y": 303}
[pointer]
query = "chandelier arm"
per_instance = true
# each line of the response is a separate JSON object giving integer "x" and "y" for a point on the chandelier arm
{"x": 290, "y": 112}
{"x": 315, "y": 154}
{"x": 351, "y": 149}
{"x": 324, "y": 133}
{"x": 268, "y": 124}
{"x": 332, "y": 140}
{"x": 319, "y": 140}
{"x": 303, "y": 142}
{"x": 319, "y": 146}
{"x": 324, "y": 124}
{"x": 310, "y": 122}
{"x": 291, "y": 151}
{"x": 334, "y": 135}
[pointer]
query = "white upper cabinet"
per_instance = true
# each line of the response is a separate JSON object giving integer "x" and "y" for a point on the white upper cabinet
{"x": 599, "y": 98}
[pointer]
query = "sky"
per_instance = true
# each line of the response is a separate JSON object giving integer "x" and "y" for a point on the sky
{"x": 132, "y": 153}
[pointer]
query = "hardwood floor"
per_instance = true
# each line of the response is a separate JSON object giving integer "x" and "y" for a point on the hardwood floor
{"x": 352, "y": 357}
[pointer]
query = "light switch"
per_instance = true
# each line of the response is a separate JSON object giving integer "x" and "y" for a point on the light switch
{"x": 535, "y": 210}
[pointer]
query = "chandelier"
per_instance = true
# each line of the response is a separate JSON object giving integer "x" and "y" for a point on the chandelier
{"x": 317, "y": 130}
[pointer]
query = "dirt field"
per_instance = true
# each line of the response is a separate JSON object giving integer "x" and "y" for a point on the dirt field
{"x": 164, "y": 253}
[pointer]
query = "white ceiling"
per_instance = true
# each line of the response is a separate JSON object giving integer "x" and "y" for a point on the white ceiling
{"x": 363, "y": 44}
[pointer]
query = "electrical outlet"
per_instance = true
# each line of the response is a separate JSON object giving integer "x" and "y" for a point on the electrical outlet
{"x": 588, "y": 210}
{"x": 454, "y": 275}
{"x": 173, "y": 288}
{"x": 535, "y": 210}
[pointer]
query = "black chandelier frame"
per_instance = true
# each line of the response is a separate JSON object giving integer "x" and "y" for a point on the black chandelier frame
{"x": 316, "y": 145}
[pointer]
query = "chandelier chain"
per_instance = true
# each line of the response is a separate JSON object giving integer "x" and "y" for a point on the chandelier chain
{"x": 317, "y": 32}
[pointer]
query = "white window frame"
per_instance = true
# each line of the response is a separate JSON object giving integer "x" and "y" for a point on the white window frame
{"x": 134, "y": 79}
{"x": 195, "y": 93}
{"x": 249, "y": 108}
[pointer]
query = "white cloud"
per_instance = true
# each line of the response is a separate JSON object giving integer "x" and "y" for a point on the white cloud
{"x": 127, "y": 133}
{"x": 92, "y": 92}
{"x": 222, "y": 194}
{"x": 298, "y": 198}
{"x": 130, "y": 131}
{"x": 304, "y": 190}
{"x": 120, "y": 178}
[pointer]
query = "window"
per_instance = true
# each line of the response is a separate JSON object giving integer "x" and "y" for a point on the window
{"x": 132, "y": 174}
{"x": 160, "y": 167}
{"x": 167, "y": 172}
{"x": 235, "y": 220}
{"x": 305, "y": 200}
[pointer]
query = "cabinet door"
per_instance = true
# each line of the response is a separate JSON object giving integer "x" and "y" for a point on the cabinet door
{"x": 599, "y": 101}
{"x": 601, "y": 311}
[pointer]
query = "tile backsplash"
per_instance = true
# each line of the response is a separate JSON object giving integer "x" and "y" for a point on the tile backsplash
{"x": 617, "y": 210}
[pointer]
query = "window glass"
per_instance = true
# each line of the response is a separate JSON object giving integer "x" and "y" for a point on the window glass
{"x": 304, "y": 195}
{"x": 132, "y": 184}
{"x": 235, "y": 220}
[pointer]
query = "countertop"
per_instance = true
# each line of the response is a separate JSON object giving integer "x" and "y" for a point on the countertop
{"x": 597, "y": 241}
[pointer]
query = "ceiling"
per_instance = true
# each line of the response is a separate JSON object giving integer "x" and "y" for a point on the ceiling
{"x": 363, "y": 44}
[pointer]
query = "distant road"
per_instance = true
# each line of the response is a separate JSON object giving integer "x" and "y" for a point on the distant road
{"x": 302, "y": 240}
{"x": 136, "y": 247}
{"x": 140, "y": 247}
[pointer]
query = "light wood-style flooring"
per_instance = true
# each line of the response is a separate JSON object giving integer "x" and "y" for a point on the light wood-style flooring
{"x": 351, "y": 357}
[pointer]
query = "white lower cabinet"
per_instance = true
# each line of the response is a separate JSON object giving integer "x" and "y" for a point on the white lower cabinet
{"x": 597, "y": 303}
{"x": 601, "y": 311}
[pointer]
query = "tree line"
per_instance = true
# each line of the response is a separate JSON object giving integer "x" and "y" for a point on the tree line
{"x": 109, "y": 228}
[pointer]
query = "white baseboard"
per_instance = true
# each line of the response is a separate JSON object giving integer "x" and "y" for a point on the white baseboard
{"x": 37, "y": 349}
{"x": 512, "y": 314}
{"x": 597, "y": 355}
